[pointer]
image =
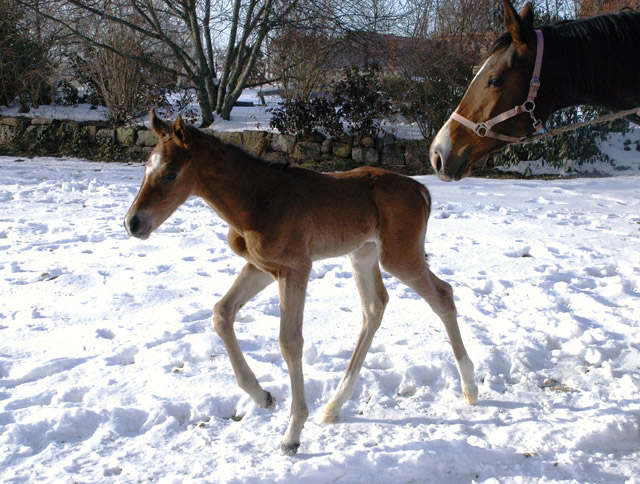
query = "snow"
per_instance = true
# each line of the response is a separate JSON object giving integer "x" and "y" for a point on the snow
{"x": 78, "y": 112}
{"x": 110, "y": 370}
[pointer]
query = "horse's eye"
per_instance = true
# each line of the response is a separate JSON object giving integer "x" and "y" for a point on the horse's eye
{"x": 172, "y": 175}
{"x": 495, "y": 82}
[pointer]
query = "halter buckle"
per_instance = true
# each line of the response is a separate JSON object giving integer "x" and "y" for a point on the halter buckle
{"x": 481, "y": 130}
{"x": 529, "y": 105}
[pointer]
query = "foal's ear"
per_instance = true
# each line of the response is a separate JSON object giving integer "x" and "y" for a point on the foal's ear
{"x": 180, "y": 133}
{"x": 520, "y": 26}
{"x": 158, "y": 125}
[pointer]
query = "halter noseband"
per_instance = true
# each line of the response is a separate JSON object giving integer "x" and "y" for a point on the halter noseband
{"x": 483, "y": 129}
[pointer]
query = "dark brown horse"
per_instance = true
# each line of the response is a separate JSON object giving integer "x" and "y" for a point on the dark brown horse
{"x": 592, "y": 61}
{"x": 281, "y": 219}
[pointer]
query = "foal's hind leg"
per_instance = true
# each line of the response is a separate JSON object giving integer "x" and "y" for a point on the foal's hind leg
{"x": 249, "y": 283}
{"x": 439, "y": 295}
{"x": 374, "y": 296}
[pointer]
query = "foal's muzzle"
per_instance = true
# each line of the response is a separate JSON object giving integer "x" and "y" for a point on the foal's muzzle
{"x": 133, "y": 225}
{"x": 137, "y": 226}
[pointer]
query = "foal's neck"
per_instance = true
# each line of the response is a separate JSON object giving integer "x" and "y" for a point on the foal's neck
{"x": 236, "y": 184}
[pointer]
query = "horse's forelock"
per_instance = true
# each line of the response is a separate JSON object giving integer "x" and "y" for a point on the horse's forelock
{"x": 501, "y": 43}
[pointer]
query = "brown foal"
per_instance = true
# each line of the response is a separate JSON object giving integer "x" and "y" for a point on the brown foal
{"x": 282, "y": 219}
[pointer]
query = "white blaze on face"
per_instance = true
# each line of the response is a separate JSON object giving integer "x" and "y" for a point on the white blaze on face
{"x": 480, "y": 71}
{"x": 153, "y": 164}
{"x": 442, "y": 142}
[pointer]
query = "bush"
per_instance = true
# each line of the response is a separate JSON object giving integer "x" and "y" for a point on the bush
{"x": 300, "y": 117}
{"x": 354, "y": 106}
{"x": 179, "y": 101}
{"x": 360, "y": 101}
{"x": 24, "y": 63}
{"x": 581, "y": 145}
{"x": 437, "y": 82}
{"x": 67, "y": 93}
{"x": 123, "y": 76}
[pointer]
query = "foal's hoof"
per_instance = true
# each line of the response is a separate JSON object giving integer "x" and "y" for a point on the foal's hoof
{"x": 270, "y": 402}
{"x": 329, "y": 417}
{"x": 331, "y": 413}
{"x": 471, "y": 395}
{"x": 289, "y": 449}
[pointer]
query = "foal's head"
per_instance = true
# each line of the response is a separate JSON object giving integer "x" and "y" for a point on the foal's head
{"x": 500, "y": 84}
{"x": 168, "y": 180}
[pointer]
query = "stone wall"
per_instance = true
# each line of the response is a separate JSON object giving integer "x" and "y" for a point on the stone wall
{"x": 95, "y": 140}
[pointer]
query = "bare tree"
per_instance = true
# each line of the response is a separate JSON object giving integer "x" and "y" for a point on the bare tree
{"x": 588, "y": 8}
{"x": 299, "y": 61}
{"x": 128, "y": 87}
{"x": 195, "y": 32}
{"x": 189, "y": 29}
{"x": 448, "y": 18}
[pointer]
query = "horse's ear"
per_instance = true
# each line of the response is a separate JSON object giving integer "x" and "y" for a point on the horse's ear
{"x": 526, "y": 14}
{"x": 519, "y": 27}
{"x": 180, "y": 133}
{"x": 159, "y": 126}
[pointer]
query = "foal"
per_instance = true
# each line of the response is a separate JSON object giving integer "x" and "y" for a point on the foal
{"x": 282, "y": 219}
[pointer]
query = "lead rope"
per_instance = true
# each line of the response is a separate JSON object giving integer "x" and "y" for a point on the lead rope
{"x": 572, "y": 127}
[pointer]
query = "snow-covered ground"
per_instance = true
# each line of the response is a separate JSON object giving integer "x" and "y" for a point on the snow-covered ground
{"x": 110, "y": 370}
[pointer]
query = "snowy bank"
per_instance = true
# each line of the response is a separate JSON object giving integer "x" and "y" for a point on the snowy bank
{"x": 110, "y": 370}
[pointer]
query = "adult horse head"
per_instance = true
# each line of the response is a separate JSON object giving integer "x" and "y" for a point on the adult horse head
{"x": 531, "y": 73}
{"x": 502, "y": 82}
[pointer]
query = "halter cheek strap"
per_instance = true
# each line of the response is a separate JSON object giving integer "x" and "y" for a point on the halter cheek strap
{"x": 483, "y": 129}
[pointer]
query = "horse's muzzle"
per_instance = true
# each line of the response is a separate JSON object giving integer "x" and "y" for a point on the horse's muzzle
{"x": 440, "y": 168}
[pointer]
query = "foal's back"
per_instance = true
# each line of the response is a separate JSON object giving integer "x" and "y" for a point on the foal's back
{"x": 336, "y": 214}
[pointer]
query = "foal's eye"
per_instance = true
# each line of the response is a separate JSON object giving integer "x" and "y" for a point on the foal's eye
{"x": 495, "y": 82}
{"x": 172, "y": 175}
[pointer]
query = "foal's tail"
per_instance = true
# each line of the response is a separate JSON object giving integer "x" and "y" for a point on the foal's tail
{"x": 427, "y": 198}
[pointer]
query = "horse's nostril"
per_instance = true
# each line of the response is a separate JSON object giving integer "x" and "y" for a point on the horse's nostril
{"x": 436, "y": 161}
{"x": 134, "y": 224}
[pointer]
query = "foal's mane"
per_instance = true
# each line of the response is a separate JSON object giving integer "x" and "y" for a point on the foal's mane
{"x": 588, "y": 54}
{"x": 235, "y": 151}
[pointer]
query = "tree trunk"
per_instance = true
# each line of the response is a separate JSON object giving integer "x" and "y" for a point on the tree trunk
{"x": 206, "y": 108}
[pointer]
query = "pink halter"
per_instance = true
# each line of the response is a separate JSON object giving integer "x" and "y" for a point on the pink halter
{"x": 483, "y": 129}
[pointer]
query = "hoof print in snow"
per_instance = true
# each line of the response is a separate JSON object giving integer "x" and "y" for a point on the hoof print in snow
{"x": 125, "y": 357}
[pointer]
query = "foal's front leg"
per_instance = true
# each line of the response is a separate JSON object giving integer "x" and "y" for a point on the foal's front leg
{"x": 249, "y": 283}
{"x": 293, "y": 287}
